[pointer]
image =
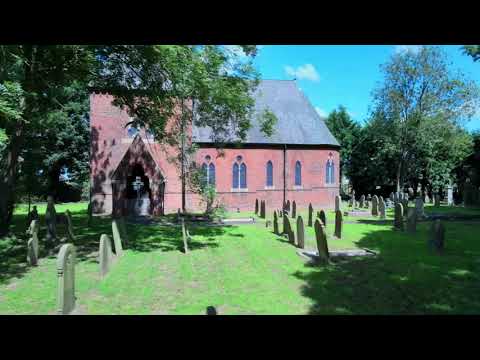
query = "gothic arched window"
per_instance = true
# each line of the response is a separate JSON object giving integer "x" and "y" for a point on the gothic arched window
{"x": 239, "y": 175}
{"x": 211, "y": 174}
{"x": 208, "y": 171}
{"x": 298, "y": 173}
{"x": 269, "y": 173}
{"x": 330, "y": 171}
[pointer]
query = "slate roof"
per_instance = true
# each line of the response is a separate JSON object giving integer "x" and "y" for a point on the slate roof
{"x": 298, "y": 122}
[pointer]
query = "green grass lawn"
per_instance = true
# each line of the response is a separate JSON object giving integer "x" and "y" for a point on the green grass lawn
{"x": 249, "y": 270}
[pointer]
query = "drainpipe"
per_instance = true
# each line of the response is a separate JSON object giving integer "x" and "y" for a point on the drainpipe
{"x": 284, "y": 175}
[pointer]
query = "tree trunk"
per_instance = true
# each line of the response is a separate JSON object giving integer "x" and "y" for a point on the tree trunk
{"x": 182, "y": 155}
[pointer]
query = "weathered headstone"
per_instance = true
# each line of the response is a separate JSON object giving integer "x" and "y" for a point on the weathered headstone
{"x": 310, "y": 215}
{"x": 105, "y": 255}
{"x": 411, "y": 220}
{"x": 362, "y": 201}
{"x": 323, "y": 218}
{"x": 367, "y": 204}
{"x": 398, "y": 220}
{"x": 117, "y": 237}
{"x": 184, "y": 236}
{"x": 287, "y": 207}
{"x": 369, "y": 197}
{"x": 321, "y": 238}
{"x": 256, "y": 206}
{"x": 375, "y": 205}
{"x": 450, "y": 195}
{"x": 338, "y": 203}
{"x": 300, "y": 233}
{"x": 419, "y": 207}
{"x": 275, "y": 223}
{"x": 33, "y": 228}
{"x": 294, "y": 209}
{"x": 51, "y": 220}
{"x": 338, "y": 224}
{"x": 69, "y": 226}
{"x": 32, "y": 251}
{"x": 437, "y": 236}
{"x": 286, "y": 225}
{"x": 262, "y": 209}
{"x": 381, "y": 208}
{"x": 66, "y": 279}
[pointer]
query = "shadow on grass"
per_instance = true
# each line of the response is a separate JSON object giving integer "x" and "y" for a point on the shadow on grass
{"x": 405, "y": 278}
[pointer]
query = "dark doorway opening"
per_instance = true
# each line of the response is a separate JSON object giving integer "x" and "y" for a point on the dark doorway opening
{"x": 138, "y": 192}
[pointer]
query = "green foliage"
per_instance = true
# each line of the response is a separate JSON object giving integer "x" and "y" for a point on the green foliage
{"x": 347, "y": 132}
{"x": 473, "y": 51}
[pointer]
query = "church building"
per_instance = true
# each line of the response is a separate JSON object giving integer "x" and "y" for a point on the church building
{"x": 131, "y": 173}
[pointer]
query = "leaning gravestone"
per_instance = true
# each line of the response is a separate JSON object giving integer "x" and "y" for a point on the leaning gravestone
{"x": 375, "y": 205}
{"x": 66, "y": 279}
{"x": 256, "y": 206}
{"x": 381, "y": 208}
{"x": 437, "y": 236}
{"x": 411, "y": 220}
{"x": 398, "y": 220}
{"x": 294, "y": 209}
{"x": 275, "y": 223}
{"x": 300, "y": 233}
{"x": 51, "y": 220}
{"x": 69, "y": 225}
{"x": 362, "y": 201}
{"x": 323, "y": 218}
{"x": 322, "y": 244}
{"x": 310, "y": 215}
{"x": 419, "y": 207}
{"x": 286, "y": 225}
{"x": 338, "y": 202}
{"x": 338, "y": 224}
{"x": 117, "y": 237}
{"x": 32, "y": 250}
{"x": 105, "y": 254}
{"x": 184, "y": 236}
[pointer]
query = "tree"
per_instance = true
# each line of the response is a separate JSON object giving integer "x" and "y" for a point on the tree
{"x": 209, "y": 86}
{"x": 473, "y": 51}
{"x": 421, "y": 96}
{"x": 346, "y": 131}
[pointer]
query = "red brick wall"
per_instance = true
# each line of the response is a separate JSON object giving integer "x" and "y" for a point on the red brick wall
{"x": 110, "y": 142}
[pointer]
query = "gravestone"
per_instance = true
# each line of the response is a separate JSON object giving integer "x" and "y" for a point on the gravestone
{"x": 419, "y": 207}
{"x": 32, "y": 215}
{"x": 338, "y": 202}
{"x": 268, "y": 223}
{"x": 262, "y": 209}
{"x": 381, "y": 208}
{"x": 89, "y": 214}
{"x": 51, "y": 220}
{"x": 437, "y": 236}
{"x": 117, "y": 238}
{"x": 105, "y": 255}
{"x": 398, "y": 220}
{"x": 405, "y": 204}
{"x": 450, "y": 195}
{"x": 392, "y": 198}
{"x": 362, "y": 201}
{"x": 286, "y": 225}
{"x": 185, "y": 237}
{"x": 427, "y": 199}
{"x": 69, "y": 225}
{"x": 411, "y": 220}
{"x": 280, "y": 213}
{"x": 33, "y": 228}
{"x": 66, "y": 279}
{"x": 395, "y": 198}
{"x": 32, "y": 250}
{"x": 321, "y": 238}
{"x": 275, "y": 223}
{"x": 323, "y": 218}
{"x": 410, "y": 192}
{"x": 338, "y": 224}
{"x": 375, "y": 205}
{"x": 256, "y": 206}
{"x": 287, "y": 206}
{"x": 310, "y": 215}
{"x": 300, "y": 233}
{"x": 294, "y": 209}
{"x": 437, "y": 200}
{"x": 291, "y": 237}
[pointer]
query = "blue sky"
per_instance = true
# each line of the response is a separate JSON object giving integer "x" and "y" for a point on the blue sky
{"x": 332, "y": 75}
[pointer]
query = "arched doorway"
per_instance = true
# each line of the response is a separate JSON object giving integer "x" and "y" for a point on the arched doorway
{"x": 138, "y": 192}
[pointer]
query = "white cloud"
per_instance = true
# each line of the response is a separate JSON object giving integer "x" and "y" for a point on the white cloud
{"x": 306, "y": 71}
{"x": 404, "y": 48}
{"x": 321, "y": 112}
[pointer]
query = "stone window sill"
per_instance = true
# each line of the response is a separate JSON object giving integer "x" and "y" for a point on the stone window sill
{"x": 269, "y": 188}
{"x": 297, "y": 187}
{"x": 239, "y": 190}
